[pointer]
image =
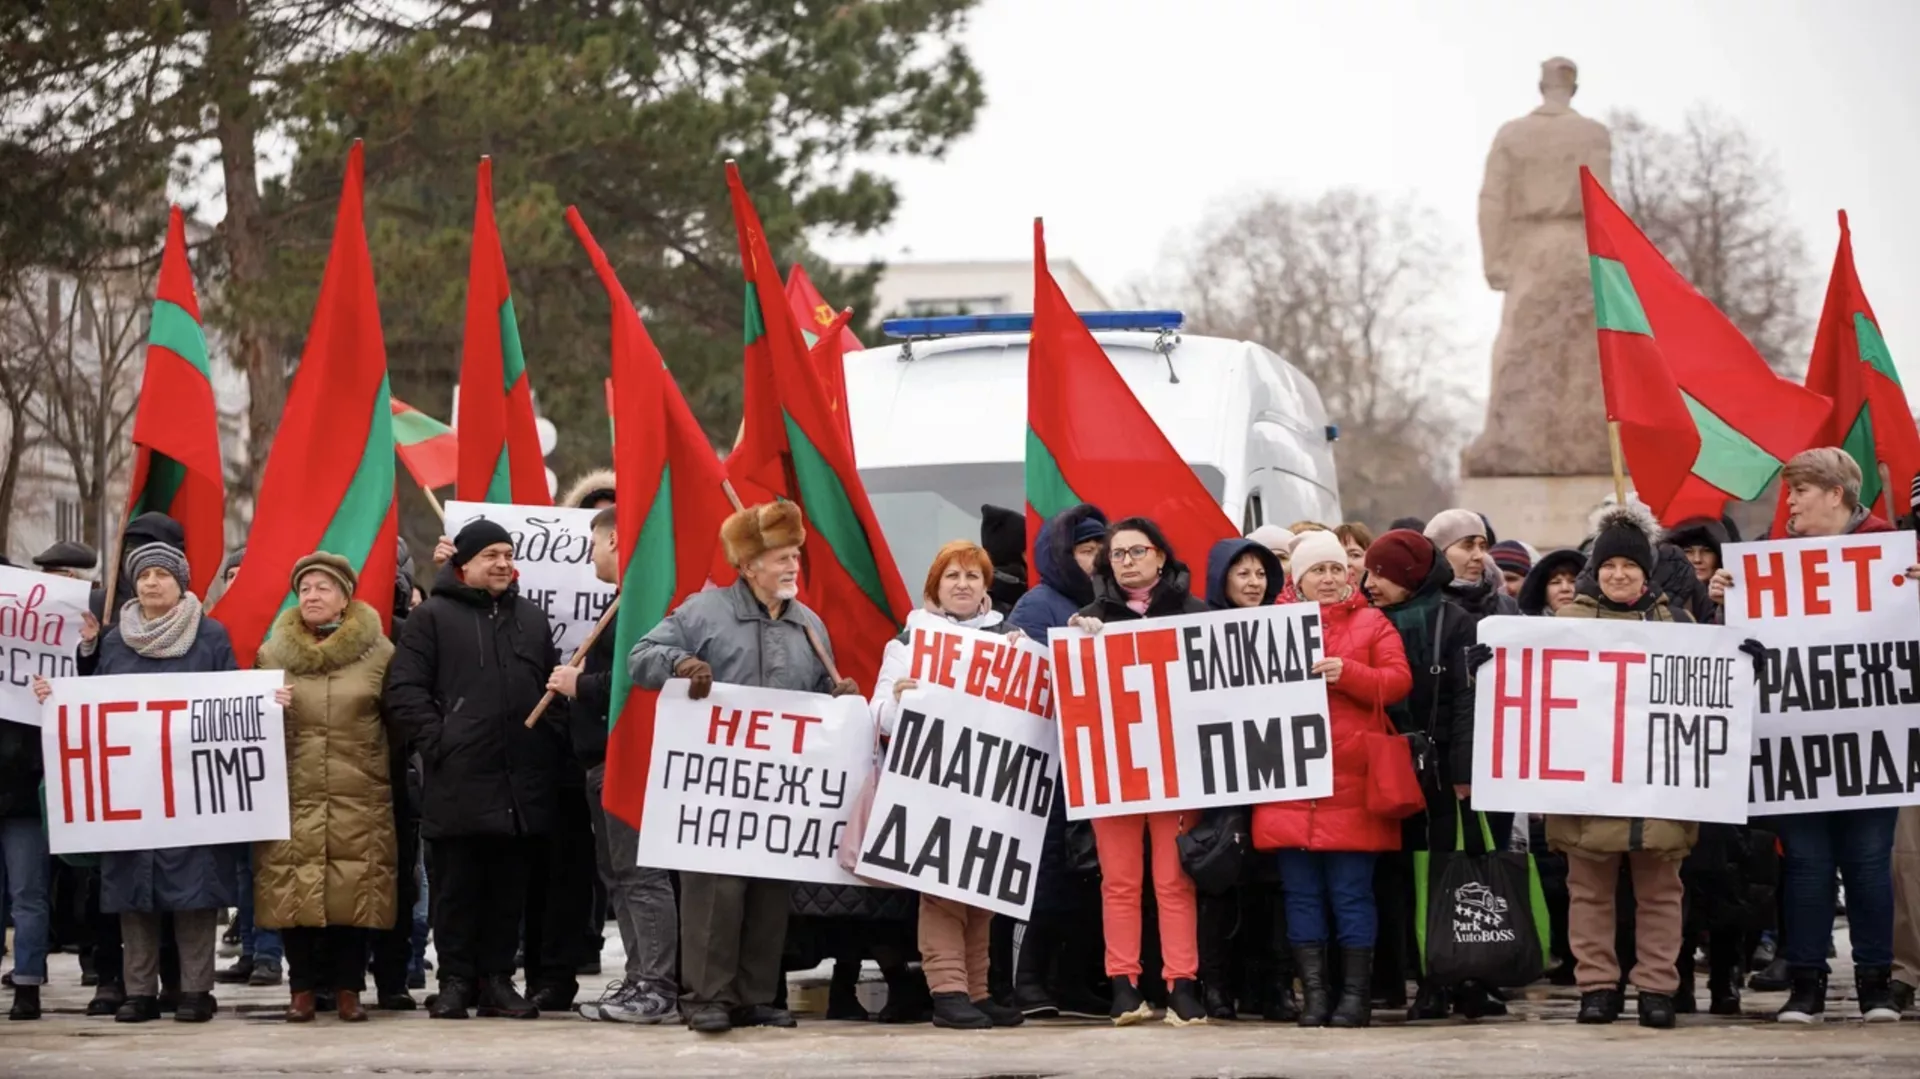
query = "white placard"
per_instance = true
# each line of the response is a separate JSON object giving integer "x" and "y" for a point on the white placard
{"x": 1193, "y": 711}
{"x": 1838, "y": 725}
{"x": 754, "y": 782}
{"x": 149, "y": 761}
{"x": 553, "y": 553}
{"x": 40, "y": 619}
{"x": 961, "y": 809}
{"x": 1612, "y": 718}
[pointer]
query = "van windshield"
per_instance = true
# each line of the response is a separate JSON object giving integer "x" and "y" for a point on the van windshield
{"x": 922, "y": 507}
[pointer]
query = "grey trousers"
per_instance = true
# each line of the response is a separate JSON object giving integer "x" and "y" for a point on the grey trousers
{"x": 641, "y": 898}
{"x": 732, "y": 932}
{"x": 194, "y": 932}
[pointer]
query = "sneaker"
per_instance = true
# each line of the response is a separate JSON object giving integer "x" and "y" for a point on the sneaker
{"x": 1128, "y": 1007}
{"x": 645, "y": 1007}
{"x": 1600, "y": 1006}
{"x": 1903, "y": 996}
{"x": 1808, "y": 1004}
{"x": 265, "y": 972}
{"x": 1034, "y": 1002}
{"x": 1184, "y": 1006}
{"x": 1656, "y": 1011}
{"x": 953, "y": 1011}
{"x": 1080, "y": 1003}
{"x": 1875, "y": 986}
{"x": 1772, "y": 978}
{"x": 1764, "y": 953}
{"x": 615, "y": 991}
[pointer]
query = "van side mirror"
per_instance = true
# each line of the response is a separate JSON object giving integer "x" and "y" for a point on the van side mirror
{"x": 1333, "y": 432}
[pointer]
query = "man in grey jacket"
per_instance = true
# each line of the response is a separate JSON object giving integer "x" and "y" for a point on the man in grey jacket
{"x": 755, "y": 633}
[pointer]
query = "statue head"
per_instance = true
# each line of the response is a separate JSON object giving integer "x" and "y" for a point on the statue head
{"x": 1559, "y": 78}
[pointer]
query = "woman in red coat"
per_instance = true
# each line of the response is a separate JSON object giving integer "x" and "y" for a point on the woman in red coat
{"x": 1328, "y": 845}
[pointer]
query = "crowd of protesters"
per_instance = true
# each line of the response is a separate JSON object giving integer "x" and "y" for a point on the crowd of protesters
{"x": 422, "y": 801}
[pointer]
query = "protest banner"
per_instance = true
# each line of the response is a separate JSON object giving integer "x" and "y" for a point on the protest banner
{"x": 961, "y": 808}
{"x": 1612, "y": 718}
{"x": 40, "y": 619}
{"x": 1838, "y": 725}
{"x": 148, "y": 761}
{"x": 553, "y": 552}
{"x": 754, "y": 782}
{"x": 1193, "y": 711}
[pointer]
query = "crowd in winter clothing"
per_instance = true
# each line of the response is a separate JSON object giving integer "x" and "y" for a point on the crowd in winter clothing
{"x": 410, "y": 763}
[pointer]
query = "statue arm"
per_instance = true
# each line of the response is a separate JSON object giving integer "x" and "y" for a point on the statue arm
{"x": 1493, "y": 216}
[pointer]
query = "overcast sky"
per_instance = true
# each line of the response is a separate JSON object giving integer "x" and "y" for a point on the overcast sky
{"x": 1124, "y": 121}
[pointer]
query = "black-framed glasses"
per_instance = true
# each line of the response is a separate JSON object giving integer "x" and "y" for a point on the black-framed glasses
{"x": 1130, "y": 554}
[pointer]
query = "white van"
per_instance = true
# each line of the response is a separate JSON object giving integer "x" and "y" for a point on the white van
{"x": 940, "y": 421}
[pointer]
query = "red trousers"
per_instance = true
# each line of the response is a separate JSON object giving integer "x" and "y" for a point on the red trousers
{"x": 1122, "y": 846}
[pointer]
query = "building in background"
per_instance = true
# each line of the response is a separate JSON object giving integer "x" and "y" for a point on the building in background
{"x": 921, "y": 289}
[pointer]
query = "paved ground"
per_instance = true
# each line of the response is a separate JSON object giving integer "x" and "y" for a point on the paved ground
{"x": 1540, "y": 1040}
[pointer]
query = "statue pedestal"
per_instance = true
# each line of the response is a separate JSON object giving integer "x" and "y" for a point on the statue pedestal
{"x": 1546, "y": 511}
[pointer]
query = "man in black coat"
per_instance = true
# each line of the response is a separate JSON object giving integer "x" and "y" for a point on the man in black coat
{"x": 470, "y": 664}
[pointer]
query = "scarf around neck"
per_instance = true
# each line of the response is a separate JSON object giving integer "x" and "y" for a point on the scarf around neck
{"x": 1137, "y": 598}
{"x": 166, "y": 637}
{"x": 1412, "y": 620}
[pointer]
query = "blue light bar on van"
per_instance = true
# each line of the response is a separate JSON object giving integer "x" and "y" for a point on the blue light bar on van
{"x": 957, "y": 325}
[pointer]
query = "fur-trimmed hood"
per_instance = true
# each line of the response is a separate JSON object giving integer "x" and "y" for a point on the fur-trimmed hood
{"x": 292, "y": 647}
{"x": 593, "y": 486}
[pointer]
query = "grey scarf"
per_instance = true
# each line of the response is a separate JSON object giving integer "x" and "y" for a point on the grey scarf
{"x": 166, "y": 637}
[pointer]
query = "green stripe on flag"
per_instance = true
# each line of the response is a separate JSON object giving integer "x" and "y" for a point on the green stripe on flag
{"x": 755, "y": 323}
{"x": 830, "y": 513}
{"x": 1615, "y": 305}
{"x": 1728, "y": 459}
{"x": 513, "y": 363}
{"x": 164, "y": 477}
{"x": 1873, "y": 348}
{"x": 646, "y": 589}
{"x": 1047, "y": 490}
{"x": 363, "y": 507}
{"x": 410, "y": 428}
{"x": 500, "y": 486}
{"x": 1859, "y": 446}
{"x": 178, "y": 332}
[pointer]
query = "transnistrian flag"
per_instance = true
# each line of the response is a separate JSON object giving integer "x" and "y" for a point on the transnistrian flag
{"x": 500, "y": 457}
{"x": 1870, "y": 418}
{"x": 1741, "y": 421}
{"x": 828, "y": 341}
{"x": 328, "y": 484}
{"x": 1089, "y": 439}
{"x": 792, "y": 446}
{"x": 176, "y": 427}
{"x": 671, "y": 502}
{"x": 427, "y": 447}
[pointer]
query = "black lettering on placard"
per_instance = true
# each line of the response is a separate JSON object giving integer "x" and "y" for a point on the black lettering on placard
{"x": 1043, "y": 784}
{"x": 1760, "y": 771}
{"x": 832, "y": 797}
{"x": 1883, "y": 776}
{"x": 960, "y": 765}
{"x": 1015, "y": 875}
{"x": 1014, "y": 764}
{"x": 808, "y": 845}
{"x": 1266, "y": 754}
{"x": 989, "y": 745}
{"x": 932, "y": 753}
{"x": 689, "y": 822}
{"x": 223, "y": 779}
{"x": 1791, "y": 785}
{"x": 888, "y": 848}
{"x": 793, "y": 785}
{"x": 981, "y": 857}
{"x": 749, "y": 829}
{"x": 1849, "y": 675}
{"x": 906, "y": 741}
{"x": 1249, "y": 652}
{"x": 785, "y": 841}
{"x": 1309, "y": 743}
{"x": 834, "y": 838}
{"x": 1847, "y": 779}
{"x": 1682, "y": 746}
{"x": 1817, "y": 750}
{"x": 934, "y": 850}
{"x": 1221, "y": 733}
{"x": 717, "y": 822}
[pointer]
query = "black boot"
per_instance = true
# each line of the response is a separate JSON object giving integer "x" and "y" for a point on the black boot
{"x": 1599, "y": 1007}
{"x": 1184, "y": 1006}
{"x": 1656, "y": 1011}
{"x": 1001, "y": 1015}
{"x": 1356, "y": 989}
{"x": 107, "y": 998}
{"x": 1771, "y": 978}
{"x": 1219, "y": 1003}
{"x": 456, "y": 995}
{"x": 499, "y": 999}
{"x": 26, "y": 1002}
{"x": 1808, "y": 1002}
{"x": 1429, "y": 1003}
{"x": 1316, "y": 1005}
{"x": 555, "y": 996}
{"x": 237, "y": 974}
{"x": 907, "y": 998}
{"x": 1723, "y": 987}
{"x": 1875, "y": 986}
{"x": 138, "y": 1010}
{"x": 1128, "y": 1007}
{"x": 195, "y": 1008}
{"x": 843, "y": 992}
{"x": 953, "y": 1011}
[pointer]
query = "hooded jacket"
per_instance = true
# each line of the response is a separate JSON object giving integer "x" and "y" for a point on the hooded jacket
{"x": 1064, "y": 587}
{"x": 1533, "y": 591}
{"x": 1484, "y": 598}
{"x": 594, "y": 486}
{"x": 1374, "y": 677}
{"x": 466, "y": 671}
{"x": 1435, "y": 633}
{"x": 1220, "y": 559}
{"x": 1003, "y": 534}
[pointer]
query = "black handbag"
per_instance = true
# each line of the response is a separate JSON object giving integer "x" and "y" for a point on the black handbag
{"x": 1212, "y": 851}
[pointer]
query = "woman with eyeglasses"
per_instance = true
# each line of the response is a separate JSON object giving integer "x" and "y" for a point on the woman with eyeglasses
{"x": 1139, "y": 577}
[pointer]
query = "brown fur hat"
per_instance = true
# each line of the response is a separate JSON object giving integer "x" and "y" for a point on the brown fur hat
{"x": 754, "y": 531}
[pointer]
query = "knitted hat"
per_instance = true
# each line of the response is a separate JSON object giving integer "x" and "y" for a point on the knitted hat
{"x": 1512, "y": 556}
{"x": 159, "y": 556}
{"x": 332, "y": 565}
{"x": 1449, "y": 527}
{"x": 754, "y": 531}
{"x": 1314, "y": 548}
{"x": 1402, "y": 556}
{"x": 1273, "y": 538}
{"x": 477, "y": 536}
{"x": 1624, "y": 532}
{"x": 1088, "y": 530}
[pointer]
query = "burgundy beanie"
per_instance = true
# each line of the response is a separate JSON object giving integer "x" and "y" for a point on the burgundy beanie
{"x": 1512, "y": 557}
{"x": 1402, "y": 556}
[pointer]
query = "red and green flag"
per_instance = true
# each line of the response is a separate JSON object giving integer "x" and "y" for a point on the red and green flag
{"x": 176, "y": 427}
{"x": 793, "y": 446}
{"x": 828, "y": 341}
{"x": 670, "y": 501}
{"x": 1089, "y": 439}
{"x": 328, "y": 484}
{"x": 427, "y": 447}
{"x": 500, "y": 457}
{"x": 1736, "y": 422}
{"x": 1851, "y": 365}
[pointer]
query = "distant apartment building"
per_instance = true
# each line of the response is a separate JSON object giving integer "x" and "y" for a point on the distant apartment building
{"x": 975, "y": 288}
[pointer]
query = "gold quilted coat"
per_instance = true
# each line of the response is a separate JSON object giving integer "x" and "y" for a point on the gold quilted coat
{"x": 338, "y": 866}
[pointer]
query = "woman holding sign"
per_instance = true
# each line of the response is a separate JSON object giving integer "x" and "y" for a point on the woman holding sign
{"x": 163, "y": 630}
{"x": 1328, "y": 846}
{"x": 332, "y": 881}
{"x": 1141, "y": 578}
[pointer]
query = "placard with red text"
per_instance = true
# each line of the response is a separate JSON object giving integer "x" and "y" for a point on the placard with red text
{"x": 40, "y": 620}
{"x": 148, "y": 761}
{"x": 1198, "y": 710}
{"x": 754, "y": 782}
{"x": 1612, "y": 718}
{"x": 1838, "y": 725}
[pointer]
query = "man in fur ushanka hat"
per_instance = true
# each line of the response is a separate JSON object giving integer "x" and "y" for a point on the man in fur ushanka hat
{"x": 754, "y": 633}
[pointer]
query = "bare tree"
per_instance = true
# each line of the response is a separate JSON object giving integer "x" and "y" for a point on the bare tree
{"x": 21, "y": 363}
{"x": 1347, "y": 289}
{"x": 1713, "y": 202}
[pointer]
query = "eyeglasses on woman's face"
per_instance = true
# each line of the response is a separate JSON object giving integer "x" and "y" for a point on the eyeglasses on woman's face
{"x": 1131, "y": 554}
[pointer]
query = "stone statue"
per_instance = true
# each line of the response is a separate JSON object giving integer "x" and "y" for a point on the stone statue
{"x": 1545, "y": 413}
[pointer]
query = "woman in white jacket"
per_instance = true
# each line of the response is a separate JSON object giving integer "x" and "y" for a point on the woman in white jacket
{"x": 953, "y": 936}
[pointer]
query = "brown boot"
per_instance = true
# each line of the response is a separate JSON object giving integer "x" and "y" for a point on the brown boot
{"x": 347, "y": 1003}
{"x": 301, "y": 1010}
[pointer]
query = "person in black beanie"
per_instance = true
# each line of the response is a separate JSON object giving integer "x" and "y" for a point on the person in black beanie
{"x": 470, "y": 664}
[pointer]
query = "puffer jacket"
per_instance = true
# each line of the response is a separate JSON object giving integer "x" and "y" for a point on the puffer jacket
{"x": 731, "y": 630}
{"x": 338, "y": 865}
{"x": 1064, "y": 588}
{"x": 1374, "y": 677}
{"x": 1590, "y": 836}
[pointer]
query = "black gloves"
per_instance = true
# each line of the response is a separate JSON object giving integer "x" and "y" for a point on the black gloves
{"x": 1759, "y": 653}
{"x": 1478, "y": 656}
